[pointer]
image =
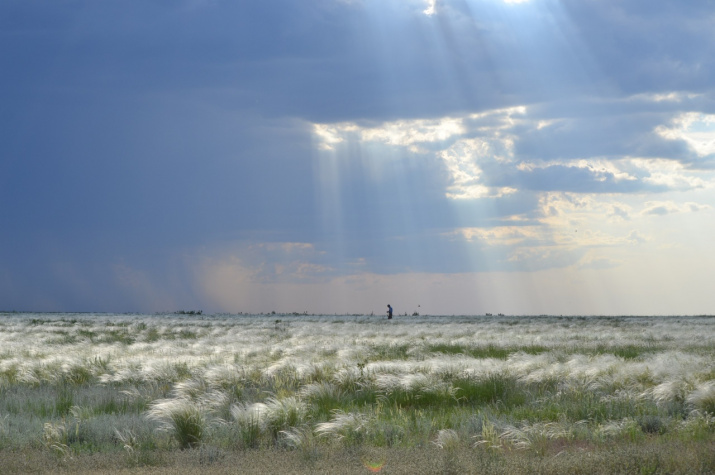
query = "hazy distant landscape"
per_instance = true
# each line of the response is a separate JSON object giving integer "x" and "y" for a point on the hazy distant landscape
{"x": 267, "y": 393}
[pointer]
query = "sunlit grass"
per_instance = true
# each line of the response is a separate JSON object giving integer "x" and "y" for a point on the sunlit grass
{"x": 142, "y": 385}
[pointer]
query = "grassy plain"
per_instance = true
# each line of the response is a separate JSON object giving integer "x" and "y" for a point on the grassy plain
{"x": 356, "y": 394}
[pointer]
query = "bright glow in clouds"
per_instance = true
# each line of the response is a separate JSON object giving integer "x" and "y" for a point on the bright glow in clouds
{"x": 448, "y": 136}
{"x": 408, "y": 133}
{"x": 569, "y": 243}
{"x": 696, "y": 129}
{"x": 603, "y": 227}
{"x": 467, "y": 144}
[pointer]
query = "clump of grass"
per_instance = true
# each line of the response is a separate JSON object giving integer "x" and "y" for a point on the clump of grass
{"x": 349, "y": 428}
{"x": 489, "y": 435}
{"x": 479, "y": 352}
{"x": 302, "y": 439}
{"x": 117, "y": 336}
{"x": 703, "y": 398}
{"x": 55, "y": 438}
{"x": 447, "y": 439}
{"x": 152, "y": 334}
{"x": 538, "y": 436}
{"x": 182, "y": 418}
{"x": 266, "y": 421}
{"x": 493, "y": 388}
{"x": 698, "y": 426}
{"x": 282, "y": 414}
{"x": 248, "y": 421}
{"x": 384, "y": 352}
{"x": 64, "y": 401}
{"x": 416, "y": 392}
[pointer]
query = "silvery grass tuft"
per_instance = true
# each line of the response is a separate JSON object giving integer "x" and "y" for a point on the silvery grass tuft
{"x": 130, "y": 444}
{"x": 3, "y": 428}
{"x": 703, "y": 398}
{"x": 283, "y": 414}
{"x": 269, "y": 418}
{"x": 182, "y": 418}
{"x": 536, "y": 435}
{"x": 447, "y": 439}
{"x": 55, "y": 437}
{"x": 302, "y": 439}
{"x": 249, "y": 420}
{"x": 627, "y": 428}
{"x": 349, "y": 427}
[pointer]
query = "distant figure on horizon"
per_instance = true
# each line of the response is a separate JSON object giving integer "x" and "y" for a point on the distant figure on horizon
{"x": 389, "y": 312}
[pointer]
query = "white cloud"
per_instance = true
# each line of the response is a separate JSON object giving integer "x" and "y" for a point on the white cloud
{"x": 450, "y": 136}
{"x": 672, "y": 96}
{"x": 402, "y": 133}
{"x": 662, "y": 208}
{"x": 410, "y": 132}
{"x": 569, "y": 206}
{"x": 694, "y": 128}
{"x": 462, "y": 162}
{"x": 330, "y": 135}
{"x": 470, "y": 144}
{"x": 431, "y": 7}
{"x": 501, "y": 235}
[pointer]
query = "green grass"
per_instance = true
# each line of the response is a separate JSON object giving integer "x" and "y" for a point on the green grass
{"x": 500, "y": 389}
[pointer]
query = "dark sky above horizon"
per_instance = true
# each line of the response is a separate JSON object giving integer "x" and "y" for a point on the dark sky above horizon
{"x": 467, "y": 156}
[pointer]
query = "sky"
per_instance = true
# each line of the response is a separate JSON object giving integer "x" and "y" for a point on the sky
{"x": 334, "y": 156}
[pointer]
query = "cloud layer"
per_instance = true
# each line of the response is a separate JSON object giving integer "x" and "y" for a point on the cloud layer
{"x": 243, "y": 156}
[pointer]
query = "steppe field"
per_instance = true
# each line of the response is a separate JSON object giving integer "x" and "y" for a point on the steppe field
{"x": 169, "y": 393}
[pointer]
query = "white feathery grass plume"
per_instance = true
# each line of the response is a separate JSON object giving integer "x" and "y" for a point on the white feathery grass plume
{"x": 132, "y": 393}
{"x": 631, "y": 395}
{"x": 703, "y": 397}
{"x": 191, "y": 388}
{"x": 225, "y": 375}
{"x": 529, "y": 434}
{"x": 130, "y": 442}
{"x": 342, "y": 424}
{"x": 214, "y": 401}
{"x": 447, "y": 439}
{"x": 284, "y": 413}
{"x": 322, "y": 390}
{"x": 3, "y": 426}
{"x": 351, "y": 377}
{"x": 54, "y": 437}
{"x": 181, "y": 417}
{"x": 28, "y": 376}
{"x": 674, "y": 390}
{"x": 415, "y": 382}
{"x": 388, "y": 382}
{"x": 81, "y": 413}
{"x": 244, "y": 413}
{"x": 298, "y": 438}
{"x": 614, "y": 429}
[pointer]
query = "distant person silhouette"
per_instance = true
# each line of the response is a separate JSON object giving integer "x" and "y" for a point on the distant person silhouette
{"x": 389, "y": 312}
